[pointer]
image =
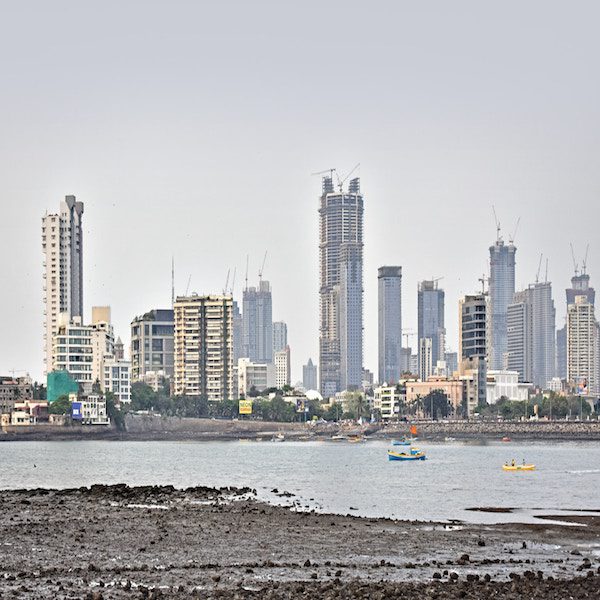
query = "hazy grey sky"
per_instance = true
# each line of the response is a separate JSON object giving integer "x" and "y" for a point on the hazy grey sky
{"x": 191, "y": 129}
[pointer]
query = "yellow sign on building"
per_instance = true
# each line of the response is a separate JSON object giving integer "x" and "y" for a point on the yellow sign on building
{"x": 245, "y": 407}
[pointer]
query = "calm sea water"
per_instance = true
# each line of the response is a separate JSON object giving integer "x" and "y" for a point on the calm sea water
{"x": 331, "y": 476}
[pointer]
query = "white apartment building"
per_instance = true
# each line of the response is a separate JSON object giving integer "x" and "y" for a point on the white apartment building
{"x": 259, "y": 376}
{"x": 204, "y": 347}
{"x": 582, "y": 346}
{"x": 117, "y": 378}
{"x": 388, "y": 400}
{"x": 505, "y": 384}
{"x": 73, "y": 350}
{"x": 282, "y": 368}
{"x": 90, "y": 409}
{"x": 62, "y": 244}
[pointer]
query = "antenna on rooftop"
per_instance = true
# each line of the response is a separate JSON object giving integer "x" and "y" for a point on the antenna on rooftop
{"x": 172, "y": 281}
{"x": 247, "y": 259}
{"x": 546, "y": 278}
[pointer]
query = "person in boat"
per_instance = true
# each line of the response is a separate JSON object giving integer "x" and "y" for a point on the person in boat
{"x": 523, "y": 461}
{"x": 513, "y": 462}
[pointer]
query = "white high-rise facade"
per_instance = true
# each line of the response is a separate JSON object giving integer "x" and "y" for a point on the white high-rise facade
{"x": 283, "y": 368}
{"x": 582, "y": 346}
{"x": 62, "y": 244}
{"x": 204, "y": 347}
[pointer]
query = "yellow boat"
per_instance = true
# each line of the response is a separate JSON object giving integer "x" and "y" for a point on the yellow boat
{"x": 518, "y": 467}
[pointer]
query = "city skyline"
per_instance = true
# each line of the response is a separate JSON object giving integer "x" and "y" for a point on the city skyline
{"x": 172, "y": 170}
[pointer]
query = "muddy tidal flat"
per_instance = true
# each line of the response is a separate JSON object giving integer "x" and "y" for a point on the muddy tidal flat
{"x": 160, "y": 542}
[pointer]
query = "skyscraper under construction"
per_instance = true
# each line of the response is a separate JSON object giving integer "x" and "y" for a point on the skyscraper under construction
{"x": 341, "y": 286}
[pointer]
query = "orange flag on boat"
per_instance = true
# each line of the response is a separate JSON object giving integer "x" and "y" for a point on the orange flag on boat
{"x": 413, "y": 429}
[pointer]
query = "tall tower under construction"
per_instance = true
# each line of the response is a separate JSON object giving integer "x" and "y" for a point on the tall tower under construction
{"x": 341, "y": 286}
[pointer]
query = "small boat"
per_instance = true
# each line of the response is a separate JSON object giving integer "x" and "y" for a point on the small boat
{"x": 355, "y": 439}
{"x": 524, "y": 467}
{"x": 400, "y": 443}
{"x": 414, "y": 454}
{"x": 279, "y": 437}
{"x": 506, "y": 439}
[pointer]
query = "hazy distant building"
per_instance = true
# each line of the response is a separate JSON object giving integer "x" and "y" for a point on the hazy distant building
{"x": 340, "y": 291}
{"x": 280, "y": 337}
{"x": 582, "y": 346}
{"x": 451, "y": 362}
{"x": 153, "y": 343}
{"x": 425, "y": 358}
{"x": 62, "y": 244}
{"x": 430, "y": 324}
{"x": 501, "y": 292}
{"x": 519, "y": 324}
{"x": 309, "y": 375}
{"x": 389, "y": 283}
{"x": 257, "y": 319}
{"x": 204, "y": 347}
{"x": 561, "y": 353}
{"x": 238, "y": 333}
{"x": 283, "y": 368}
{"x": 405, "y": 361}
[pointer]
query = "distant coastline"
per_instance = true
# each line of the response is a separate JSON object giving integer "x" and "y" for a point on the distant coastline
{"x": 154, "y": 427}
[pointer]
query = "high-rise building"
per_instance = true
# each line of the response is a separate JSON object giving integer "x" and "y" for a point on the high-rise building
{"x": 283, "y": 368}
{"x": 257, "y": 318}
{"x": 582, "y": 346}
{"x": 431, "y": 322}
{"x": 425, "y": 358}
{"x": 531, "y": 334}
{"x": 153, "y": 344}
{"x": 519, "y": 327}
{"x": 73, "y": 350}
{"x": 405, "y": 361}
{"x": 62, "y": 243}
{"x": 473, "y": 348}
{"x": 389, "y": 283}
{"x": 502, "y": 290}
{"x": 204, "y": 347}
{"x": 280, "y": 339}
{"x": 340, "y": 291}
{"x": 309, "y": 375}
{"x": 451, "y": 362}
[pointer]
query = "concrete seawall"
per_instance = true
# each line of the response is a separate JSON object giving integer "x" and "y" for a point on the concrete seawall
{"x": 155, "y": 427}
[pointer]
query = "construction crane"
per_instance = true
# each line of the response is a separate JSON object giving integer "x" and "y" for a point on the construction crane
{"x": 233, "y": 281}
{"x": 511, "y": 238}
{"x": 575, "y": 265}
{"x": 537, "y": 275}
{"x": 584, "y": 263}
{"x": 262, "y": 268}
{"x": 482, "y": 280}
{"x": 409, "y": 333}
{"x": 226, "y": 282}
{"x": 498, "y": 238}
{"x": 342, "y": 181}
{"x": 187, "y": 287}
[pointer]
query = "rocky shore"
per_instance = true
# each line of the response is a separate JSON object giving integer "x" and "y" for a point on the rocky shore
{"x": 159, "y": 542}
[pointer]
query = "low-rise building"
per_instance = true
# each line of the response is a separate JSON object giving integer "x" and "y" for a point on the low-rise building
{"x": 260, "y": 376}
{"x": 453, "y": 388}
{"x": 389, "y": 401}
{"x": 505, "y": 384}
{"x": 90, "y": 409}
{"x": 14, "y": 390}
{"x": 117, "y": 378}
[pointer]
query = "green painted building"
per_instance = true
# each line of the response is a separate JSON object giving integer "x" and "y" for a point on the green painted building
{"x": 60, "y": 383}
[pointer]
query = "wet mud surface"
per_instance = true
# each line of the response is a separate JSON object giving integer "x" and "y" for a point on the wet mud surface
{"x": 159, "y": 542}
